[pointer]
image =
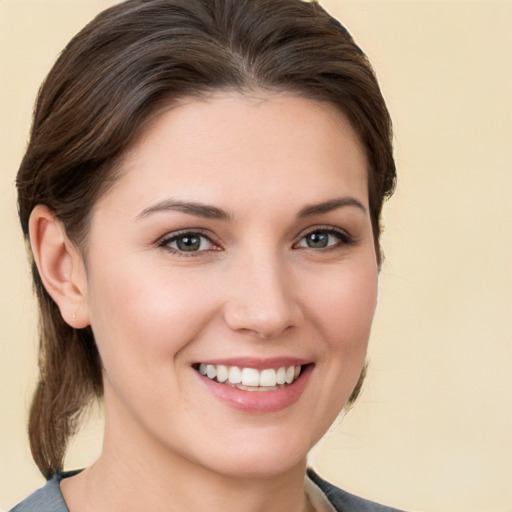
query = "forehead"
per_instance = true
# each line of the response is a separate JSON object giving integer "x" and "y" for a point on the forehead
{"x": 230, "y": 144}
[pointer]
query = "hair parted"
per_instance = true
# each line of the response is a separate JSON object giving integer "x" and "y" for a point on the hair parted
{"x": 129, "y": 62}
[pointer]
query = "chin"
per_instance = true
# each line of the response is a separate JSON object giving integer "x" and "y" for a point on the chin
{"x": 259, "y": 457}
{"x": 261, "y": 467}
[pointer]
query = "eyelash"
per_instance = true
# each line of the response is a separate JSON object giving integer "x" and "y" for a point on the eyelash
{"x": 342, "y": 236}
{"x": 165, "y": 243}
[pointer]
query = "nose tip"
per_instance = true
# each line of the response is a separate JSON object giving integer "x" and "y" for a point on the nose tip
{"x": 262, "y": 322}
{"x": 263, "y": 306}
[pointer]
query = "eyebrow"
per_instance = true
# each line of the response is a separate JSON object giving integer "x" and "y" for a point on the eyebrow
{"x": 212, "y": 212}
{"x": 333, "y": 204}
{"x": 190, "y": 208}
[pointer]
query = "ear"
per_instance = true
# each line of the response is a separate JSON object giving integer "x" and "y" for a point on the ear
{"x": 60, "y": 266}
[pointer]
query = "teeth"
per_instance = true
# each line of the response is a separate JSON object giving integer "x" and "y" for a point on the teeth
{"x": 268, "y": 378}
{"x": 280, "y": 375}
{"x": 250, "y": 379}
{"x": 222, "y": 373}
{"x": 235, "y": 375}
{"x": 211, "y": 371}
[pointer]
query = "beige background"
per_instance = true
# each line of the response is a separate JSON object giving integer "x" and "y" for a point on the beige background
{"x": 433, "y": 430}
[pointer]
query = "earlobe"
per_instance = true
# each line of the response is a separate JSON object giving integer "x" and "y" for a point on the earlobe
{"x": 60, "y": 266}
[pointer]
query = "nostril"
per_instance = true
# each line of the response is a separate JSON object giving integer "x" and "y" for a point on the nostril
{"x": 261, "y": 324}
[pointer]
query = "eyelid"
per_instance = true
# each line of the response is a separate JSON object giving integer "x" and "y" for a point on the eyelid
{"x": 345, "y": 238}
{"x": 165, "y": 240}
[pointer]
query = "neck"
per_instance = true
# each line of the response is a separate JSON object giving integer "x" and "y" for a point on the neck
{"x": 146, "y": 476}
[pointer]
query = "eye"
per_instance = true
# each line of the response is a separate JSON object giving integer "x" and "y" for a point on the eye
{"x": 188, "y": 242}
{"x": 324, "y": 239}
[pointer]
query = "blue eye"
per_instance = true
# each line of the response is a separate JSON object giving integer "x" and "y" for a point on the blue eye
{"x": 324, "y": 239}
{"x": 188, "y": 242}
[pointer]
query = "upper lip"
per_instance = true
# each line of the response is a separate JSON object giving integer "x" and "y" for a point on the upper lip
{"x": 257, "y": 363}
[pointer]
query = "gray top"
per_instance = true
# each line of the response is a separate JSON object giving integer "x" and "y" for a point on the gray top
{"x": 49, "y": 497}
{"x": 46, "y": 499}
{"x": 343, "y": 501}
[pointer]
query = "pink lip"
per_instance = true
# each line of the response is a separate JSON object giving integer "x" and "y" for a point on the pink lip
{"x": 258, "y": 401}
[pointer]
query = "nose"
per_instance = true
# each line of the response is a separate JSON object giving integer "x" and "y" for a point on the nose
{"x": 263, "y": 299}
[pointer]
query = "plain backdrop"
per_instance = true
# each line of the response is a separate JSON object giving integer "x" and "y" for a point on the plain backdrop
{"x": 433, "y": 429}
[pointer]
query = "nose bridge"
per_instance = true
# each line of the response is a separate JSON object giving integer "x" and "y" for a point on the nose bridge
{"x": 262, "y": 301}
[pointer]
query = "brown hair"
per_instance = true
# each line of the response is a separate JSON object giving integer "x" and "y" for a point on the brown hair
{"x": 126, "y": 64}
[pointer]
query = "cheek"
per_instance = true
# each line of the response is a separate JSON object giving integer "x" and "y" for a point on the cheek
{"x": 344, "y": 307}
{"x": 144, "y": 317}
{"x": 341, "y": 311}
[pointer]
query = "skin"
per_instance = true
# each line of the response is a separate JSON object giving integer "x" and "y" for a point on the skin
{"x": 253, "y": 289}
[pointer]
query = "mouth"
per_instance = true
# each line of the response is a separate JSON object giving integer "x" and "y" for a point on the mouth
{"x": 279, "y": 382}
{"x": 251, "y": 379}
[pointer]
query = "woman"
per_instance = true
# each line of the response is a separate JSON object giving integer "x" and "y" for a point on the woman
{"x": 202, "y": 193}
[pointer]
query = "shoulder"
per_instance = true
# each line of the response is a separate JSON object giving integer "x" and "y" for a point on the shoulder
{"x": 46, "y": 499}
{"x": 344, "y": 501}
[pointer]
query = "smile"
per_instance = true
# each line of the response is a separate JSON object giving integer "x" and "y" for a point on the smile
{"x": 251, "y": 379}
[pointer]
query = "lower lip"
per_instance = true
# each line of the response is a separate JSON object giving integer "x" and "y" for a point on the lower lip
{"x": 259, "y": 401}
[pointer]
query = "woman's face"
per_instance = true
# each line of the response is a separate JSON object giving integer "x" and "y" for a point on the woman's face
{"x": 236, "y": 242}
